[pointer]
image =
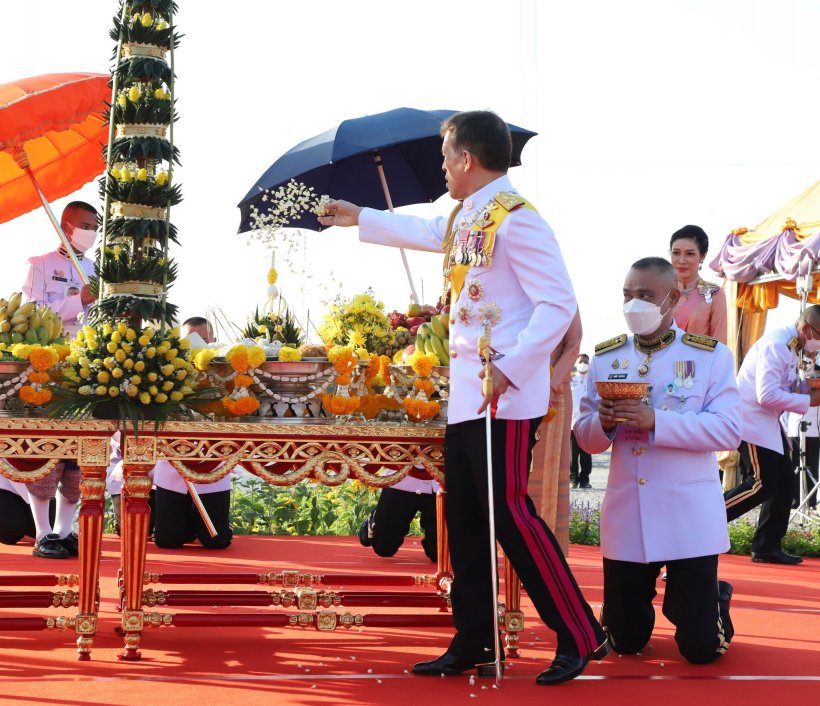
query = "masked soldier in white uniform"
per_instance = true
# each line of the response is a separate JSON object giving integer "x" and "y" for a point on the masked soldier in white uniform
{"x": 769, "y": 386}
{"x": 663, "y": 501}
{"x": 53, "y": 280}
{"x": 506, "y": 276}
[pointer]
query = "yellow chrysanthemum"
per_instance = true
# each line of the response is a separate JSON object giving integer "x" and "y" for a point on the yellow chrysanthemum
{"x": 145, "y": 398}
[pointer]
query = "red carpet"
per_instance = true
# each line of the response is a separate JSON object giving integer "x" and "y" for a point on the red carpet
{"x": 775, "y": 656}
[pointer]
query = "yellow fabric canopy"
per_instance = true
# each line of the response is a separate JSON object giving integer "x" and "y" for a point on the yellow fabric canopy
{"x": 801, "y": 214}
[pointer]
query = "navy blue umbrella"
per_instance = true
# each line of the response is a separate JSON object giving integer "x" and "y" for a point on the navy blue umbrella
{"x": 343, "y": 163}
{"x": 381, "y": 161}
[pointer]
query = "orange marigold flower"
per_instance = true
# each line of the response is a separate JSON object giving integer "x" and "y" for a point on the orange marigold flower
{"x": 243, "y": 381}
{"x": 43, "y": 358}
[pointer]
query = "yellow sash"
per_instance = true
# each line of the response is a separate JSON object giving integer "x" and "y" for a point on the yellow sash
{"x": 502, "y": 204}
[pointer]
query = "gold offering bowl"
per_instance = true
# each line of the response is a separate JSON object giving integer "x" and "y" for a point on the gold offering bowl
{"x": 813, "y": 381}
{"x": 618, "y": 390}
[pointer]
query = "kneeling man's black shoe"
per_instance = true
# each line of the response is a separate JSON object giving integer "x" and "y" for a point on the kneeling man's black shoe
{"x": 776, "y": 557}
{"x": 365, "y": 532}
{"x": 449, "y": 665}
{"x": 566, "y": 667}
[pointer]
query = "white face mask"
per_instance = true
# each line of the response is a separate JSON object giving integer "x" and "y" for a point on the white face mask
{"x": 582, "y": 368}
{"x": 812, "y": 345}
{"x": 642, "y": 317}
{"x": 82, "y": 239}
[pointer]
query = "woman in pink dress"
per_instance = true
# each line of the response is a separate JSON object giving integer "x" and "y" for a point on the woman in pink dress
{"x": 702, "y": 308}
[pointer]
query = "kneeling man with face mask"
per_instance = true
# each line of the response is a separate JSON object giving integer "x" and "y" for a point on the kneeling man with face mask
{"x": 53, "y": 280}
{"x": 664, "y": 500}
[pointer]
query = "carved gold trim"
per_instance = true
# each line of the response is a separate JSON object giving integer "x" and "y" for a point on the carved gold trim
{"x": 132, "y": 620}
{"x": 326, "y": 620}
{"x": 157, "y": 620}
{"x": 94, "y": 451}
{"x": 141, "y": 130}
{"x": 306, "y": 599}
{"x": 140, "y": 450}
{"x": 349, "y": 620}
{"x": 65, "y": 599}
{"x": 196, "y": 477}
{"x": 10, "y": 472}
{"x": 514, "y": 621}
{"x": 86, "y": 624}
{"x": 120, "y": 209}
{"x": 67, "y": 580}
{"x": 290, "y": 579}
{"x": 302, "y": 620}
{"x": 60, "y": 623}
{"x": 92, "y": 488}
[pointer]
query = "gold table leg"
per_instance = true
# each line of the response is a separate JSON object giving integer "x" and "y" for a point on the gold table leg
{"x": 134, "y": 545}
{"x": 513, "y": 616}
{"x": 92, "y": 515}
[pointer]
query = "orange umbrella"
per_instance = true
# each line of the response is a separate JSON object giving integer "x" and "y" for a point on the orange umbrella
{"x": 52, "y": 135}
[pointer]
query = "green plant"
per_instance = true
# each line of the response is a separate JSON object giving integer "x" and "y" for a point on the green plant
{"x": 585, "y": 523}
{"x": 306, "y": 508}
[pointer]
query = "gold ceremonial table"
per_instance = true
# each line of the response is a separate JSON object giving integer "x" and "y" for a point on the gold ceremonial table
{"x": 281, "y": 452}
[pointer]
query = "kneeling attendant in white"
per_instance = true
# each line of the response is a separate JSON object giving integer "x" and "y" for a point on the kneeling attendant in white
{"x": 663, "y": 502}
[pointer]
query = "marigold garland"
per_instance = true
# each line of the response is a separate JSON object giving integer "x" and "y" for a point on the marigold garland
{"x": 422, "y": 363}
{"x": 288, "y": 353}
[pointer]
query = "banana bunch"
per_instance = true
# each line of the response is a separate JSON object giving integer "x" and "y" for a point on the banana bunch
{"x": 433, "y": 337}
{"x": 28, "y": 323}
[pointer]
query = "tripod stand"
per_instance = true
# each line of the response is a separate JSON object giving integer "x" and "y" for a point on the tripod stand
{"x": 801, "y": 513}
{"x": 808, "y": 484}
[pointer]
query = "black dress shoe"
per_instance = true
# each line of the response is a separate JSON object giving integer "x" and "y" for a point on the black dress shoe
{"x": 585, "y": 486}
{"x": 50, "y": 547}
{"x": 724, "y": 602}
{"x": 776, "y": 557}
{"x": 365, "y": 533}
{"x": 71, "y": 542}
{"x": 566, "y": 667}
{"x": 449, "y": 665}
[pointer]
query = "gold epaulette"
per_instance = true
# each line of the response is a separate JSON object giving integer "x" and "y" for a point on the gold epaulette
{"x": 611, "y": 344}
{"x": 697, "y": 340}
{"x": 793, "y": 343}
{"x": 508, "y": 200}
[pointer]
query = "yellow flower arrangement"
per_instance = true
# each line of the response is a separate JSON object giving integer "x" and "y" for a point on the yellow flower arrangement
{"x": 360, "y": 322}
{"x": 422, "y": 363}
{"x": 287, "y": 353}
{"x": 99, "y": 364}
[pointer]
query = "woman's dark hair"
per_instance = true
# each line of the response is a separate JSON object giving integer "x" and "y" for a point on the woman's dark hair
{"x": 695, "y": 233}
{"x": 484, "y": 134}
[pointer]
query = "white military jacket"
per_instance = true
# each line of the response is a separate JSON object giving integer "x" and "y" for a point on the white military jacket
{"x": 769, "y": 386}
{"x": 527, "y": 283}
{"x": 49, "y": 280}
{"x": 664, "y": 499}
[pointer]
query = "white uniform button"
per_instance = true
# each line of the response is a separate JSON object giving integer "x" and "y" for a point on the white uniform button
{"x": 642, "y": 481}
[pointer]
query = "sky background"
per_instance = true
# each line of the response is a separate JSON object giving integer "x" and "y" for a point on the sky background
{"x": 651, "y": 114}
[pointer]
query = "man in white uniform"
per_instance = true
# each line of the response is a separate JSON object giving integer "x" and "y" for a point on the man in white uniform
{"x": 53, "y": 279}
{"x": 663, "y": 501}
{"x": 507, "y": 279}
{"x": 386, "y": 527}
{"x": 769, "y": 386}
{"x": 176, "y": 519}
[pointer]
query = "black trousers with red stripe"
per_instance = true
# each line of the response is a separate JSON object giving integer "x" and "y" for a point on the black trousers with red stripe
{"x": 527, "y": 541}
{"x": 768, "y": 483}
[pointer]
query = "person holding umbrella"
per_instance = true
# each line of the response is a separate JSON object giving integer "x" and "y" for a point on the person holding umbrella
{"x": 511, "y": 302}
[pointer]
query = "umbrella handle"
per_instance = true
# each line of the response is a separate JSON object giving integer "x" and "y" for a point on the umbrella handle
{"x": 22, "y": 159}
{"x": 377, "y": 158}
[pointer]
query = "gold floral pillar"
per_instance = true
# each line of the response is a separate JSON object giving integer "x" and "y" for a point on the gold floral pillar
{"x": 93, "y": 460}
{"x": 139, "y": 457}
